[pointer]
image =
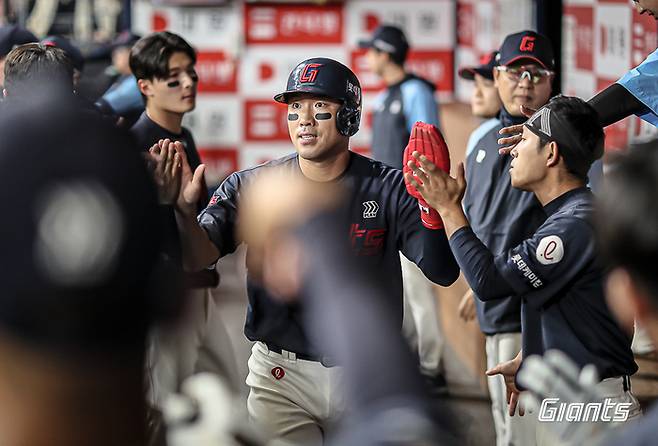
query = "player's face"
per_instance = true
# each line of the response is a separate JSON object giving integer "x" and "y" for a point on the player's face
{"x": 485, "y": 101}
{"x": 530, "y": 161}
{"x": 376, "y": 61}
{"x": 177, "y": 92}
{"x": 312, "y": 127}
{"x": 647, "y": 7}
{"x": 520, "y": 90}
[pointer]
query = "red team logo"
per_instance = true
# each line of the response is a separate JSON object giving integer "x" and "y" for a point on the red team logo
{"x": 310, "y": 72}
{"x": 367, "y": 242}
{"x": 278, "y": 373}
{"x": 527, "y": 43}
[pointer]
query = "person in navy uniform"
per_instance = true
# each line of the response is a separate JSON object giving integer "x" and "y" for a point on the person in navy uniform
{"x": 556, "y": 271}
{"x": 295, "y": 388}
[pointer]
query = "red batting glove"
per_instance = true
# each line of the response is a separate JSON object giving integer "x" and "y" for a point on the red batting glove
{"x": 427, "y": 140}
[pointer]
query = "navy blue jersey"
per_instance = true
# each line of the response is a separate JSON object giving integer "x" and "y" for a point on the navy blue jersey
{"x": 383, "y": 220}
{"x": 501, "y": 217}
{"x": 146, "y": 133}
{"x": 558, "y": 275}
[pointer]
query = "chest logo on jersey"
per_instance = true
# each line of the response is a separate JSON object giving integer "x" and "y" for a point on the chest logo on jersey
{"x": 550, "y": 250}
{"x": 480, "y": 156}
{"x": 370, "y": 209}
{"x": 213, "y": 200}
{"x": 366, "y": 242}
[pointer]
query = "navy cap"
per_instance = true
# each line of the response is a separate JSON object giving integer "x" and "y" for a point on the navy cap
{"x": 124, "y": 39}
{"x": 80, "y": 259}
{"x": 71, "y": 50}
{"x": 527, "y": 45}
{"x": 389, "y": 39}
{"x": 13, "y": 35}
{"x": 484, "y": 69}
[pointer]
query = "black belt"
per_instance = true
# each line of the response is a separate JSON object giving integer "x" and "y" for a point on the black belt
{"x": 627, "y": 382}
{"x": 326, "y": 361}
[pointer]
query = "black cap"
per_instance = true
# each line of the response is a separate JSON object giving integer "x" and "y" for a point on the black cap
{"x": 13, "y": 35}
{"x": 80, "y": 252}
{"x": 527, "y": 45}
{"x": 71, "y": 50}
{"x": 389, "y": 39}
{"x": 484, "y": 69}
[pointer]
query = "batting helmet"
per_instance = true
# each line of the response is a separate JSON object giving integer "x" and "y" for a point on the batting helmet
{"x": 327, "y": 77}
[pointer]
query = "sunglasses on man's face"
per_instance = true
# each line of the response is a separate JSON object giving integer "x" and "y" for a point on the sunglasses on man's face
{"x": 516, "y": 74}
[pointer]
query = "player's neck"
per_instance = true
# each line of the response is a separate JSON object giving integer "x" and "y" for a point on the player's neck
{"x": 393, "y": 74}
{"x": 550, "y": 189}
{"x": 325, "y": 170}
{"x": 167, "y": 120}
{"x": 45, "y": 402}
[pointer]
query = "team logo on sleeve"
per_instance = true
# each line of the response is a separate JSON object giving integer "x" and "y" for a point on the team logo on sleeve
{"x": 550, "y": 250}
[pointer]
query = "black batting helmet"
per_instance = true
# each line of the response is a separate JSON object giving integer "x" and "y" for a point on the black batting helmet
{"x": 327, "y": 77}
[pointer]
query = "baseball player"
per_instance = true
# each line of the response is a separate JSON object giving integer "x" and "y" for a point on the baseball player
{"x": 502, "y": 216}
{"x": 295, "y": 388}
{"x": 556, "y": 271}
{"x": 406, "y": 99}
{"x": 164, "y": 65}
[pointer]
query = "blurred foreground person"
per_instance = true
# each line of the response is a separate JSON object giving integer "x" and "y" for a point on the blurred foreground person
{"x": 81, "y": 285}
{"x": 37, "y": 72}
{"x": 289, "y": 220}
{"x": 11, "y": 36}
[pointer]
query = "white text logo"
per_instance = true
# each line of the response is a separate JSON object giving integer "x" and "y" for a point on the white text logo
{"x": 552, "y": 410}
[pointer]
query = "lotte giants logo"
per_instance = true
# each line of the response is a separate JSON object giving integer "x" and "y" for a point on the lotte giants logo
{"x": 278, "y": 373}
{"x": 310, "y": 72}
{"x": 527, "y": 43}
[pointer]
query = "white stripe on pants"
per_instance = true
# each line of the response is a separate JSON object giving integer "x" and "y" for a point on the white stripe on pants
{"x": 510, "y": 431}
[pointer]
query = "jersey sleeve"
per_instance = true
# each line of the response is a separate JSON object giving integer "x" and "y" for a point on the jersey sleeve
{"x": 419, "y": 104}
{"x": 642, "y": 82}
{"x": 541, "y": 266}
{"x": 219, "y": 217}
{"x": 427, "y": 248}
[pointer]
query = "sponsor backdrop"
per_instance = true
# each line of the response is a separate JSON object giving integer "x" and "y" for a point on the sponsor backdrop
{"x": 247, "y": 50}
{"x": 481, "y": 27}
{"x": 601, "y": 40}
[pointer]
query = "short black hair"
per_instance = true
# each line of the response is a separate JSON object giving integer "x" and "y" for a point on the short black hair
{"x": 584, "y": 124}
{"x": 149, "y": 57}
{"x": 627, "y": 216}
{"x": 35, "y": 67}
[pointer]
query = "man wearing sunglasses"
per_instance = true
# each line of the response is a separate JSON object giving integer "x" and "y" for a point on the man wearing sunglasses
{"x": 502, "y": 216}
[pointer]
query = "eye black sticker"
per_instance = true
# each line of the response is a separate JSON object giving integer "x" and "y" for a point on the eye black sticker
{"x": 293, "y": 116}
{"x": 323, "y": 116}
{"x": 173, "y": 84}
